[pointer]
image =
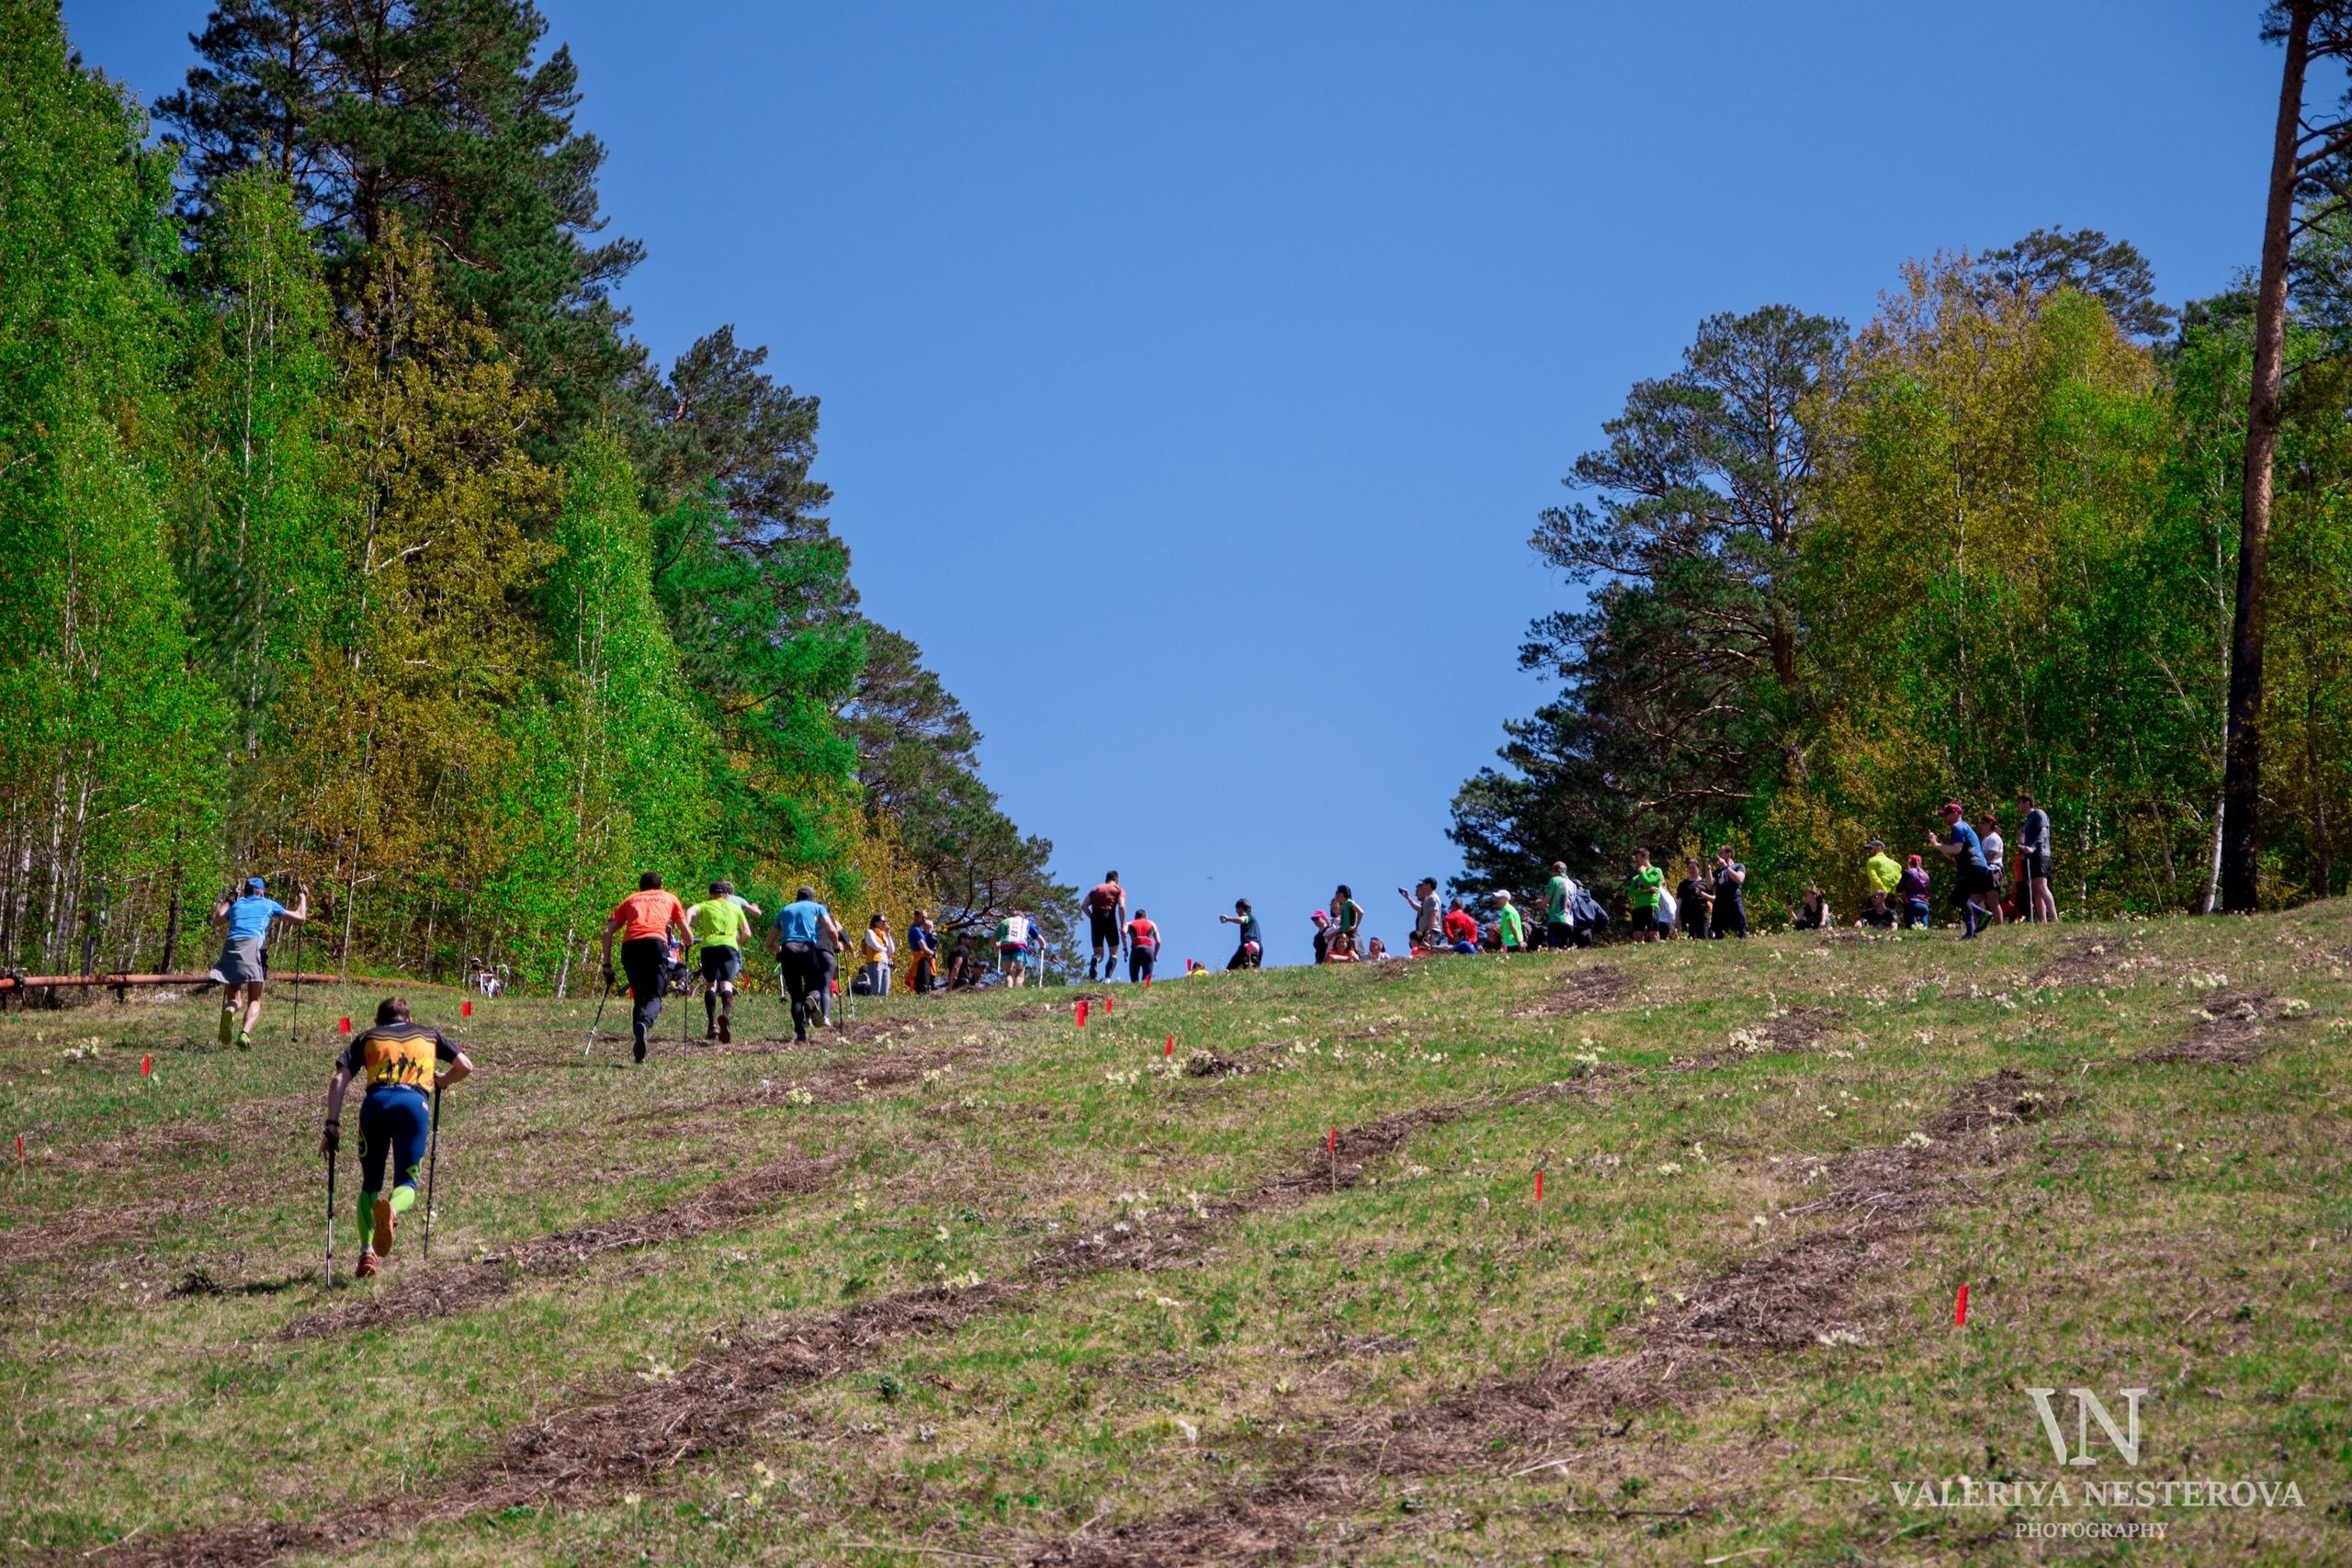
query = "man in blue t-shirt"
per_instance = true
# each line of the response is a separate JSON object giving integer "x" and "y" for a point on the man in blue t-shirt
{"x": 1960, "y": 846}
{"x": 246, "y": 914}
{"x": 802, "y": 930}
{"x": 923, "y": 951}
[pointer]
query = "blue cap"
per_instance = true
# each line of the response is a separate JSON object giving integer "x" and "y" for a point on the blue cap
{"x": 255, "y": 885}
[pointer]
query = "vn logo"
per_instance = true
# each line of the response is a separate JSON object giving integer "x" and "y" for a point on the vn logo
{"x": 2087, "y": 1408}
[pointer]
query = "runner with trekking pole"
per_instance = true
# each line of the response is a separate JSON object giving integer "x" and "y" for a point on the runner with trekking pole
{"x": 644, "y": 920}
{"x": 597, "y": 1023}
{"x": 248, "y": 913}
{"x": 398, "y": 1057}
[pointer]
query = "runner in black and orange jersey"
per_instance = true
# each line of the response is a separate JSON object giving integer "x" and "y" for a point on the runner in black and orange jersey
{"x": 1143, "y": 946}
{"x": 1106, "y": 912}
{"x": 400, "y": 1060}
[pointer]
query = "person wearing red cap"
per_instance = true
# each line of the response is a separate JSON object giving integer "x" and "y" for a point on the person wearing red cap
{"x": 1960, "y": 846}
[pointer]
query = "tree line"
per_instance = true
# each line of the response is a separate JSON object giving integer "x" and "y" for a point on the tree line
{"x": 349, "y": 538}
{"x": 1995, "y": 540}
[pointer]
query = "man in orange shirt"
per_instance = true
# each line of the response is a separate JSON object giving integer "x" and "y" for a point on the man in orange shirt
{"x": 643, "y": 922}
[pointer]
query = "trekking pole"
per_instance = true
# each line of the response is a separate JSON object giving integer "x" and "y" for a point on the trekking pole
{"x": 294, "y": 1031}
{"x": 432, "y": 1164}
{"x": 332, "y": 1160}
{"x": 599, "y": 1020}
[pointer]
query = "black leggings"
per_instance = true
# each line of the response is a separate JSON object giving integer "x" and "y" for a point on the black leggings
{"x": 644, "y": 959}
{"x": 808, "y": 971}
{"x": 1140, "y": 959}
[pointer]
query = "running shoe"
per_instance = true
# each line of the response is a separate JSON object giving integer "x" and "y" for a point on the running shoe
{"x": 366, "y": 1269}
{"x": 725, "y": 1029}
{"x": 228, "y": 1026}
{"x": 386, "y": 1223}
{"x": 244, "y": 1040}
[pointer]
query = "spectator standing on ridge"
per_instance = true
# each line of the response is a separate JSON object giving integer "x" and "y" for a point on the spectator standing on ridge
{"x": 1347, "y": 923}
{"x": 2033, "y": 858}
{"x": 1511, "y": 928}
{"x": 876, "y": 953}
{"x": 1641, "y": 898}
{"x": 1322, "y": 936}
{"x": 1427, "y": 920}
{"x": 1696, "y": 895}
{"x": 923, "y": 952}
{"x": 1988, "y": 834}
{"x": 1249, "y": 948}
{"x": 1730, "y": 914}
{"x": 1106, "y": 912}
{"x": 1559, "y": 903}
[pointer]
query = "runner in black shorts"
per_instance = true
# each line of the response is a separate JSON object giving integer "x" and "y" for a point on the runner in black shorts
{"x": 1106, "y": 912}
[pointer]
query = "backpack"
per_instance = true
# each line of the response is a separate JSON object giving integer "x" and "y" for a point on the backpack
{"x": 1013, "y": 931}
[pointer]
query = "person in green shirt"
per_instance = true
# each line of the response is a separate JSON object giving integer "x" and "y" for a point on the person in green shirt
{"x": 1510, "y": 929}
{"x": 1641, "y": 896}
{"x": 1347, "y": 923}
{"x": 719, "y": 924}
{"x": 1558, "y": 895}
{"x": 1884, "y": 871}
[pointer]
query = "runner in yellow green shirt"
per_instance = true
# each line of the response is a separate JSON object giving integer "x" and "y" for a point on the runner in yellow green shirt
{"x": 719, "y": 924}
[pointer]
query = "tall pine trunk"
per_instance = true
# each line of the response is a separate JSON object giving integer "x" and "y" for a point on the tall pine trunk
{"x": 2241, "y": 753}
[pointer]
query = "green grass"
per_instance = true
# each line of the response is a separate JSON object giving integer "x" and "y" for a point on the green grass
{"x": 1372, "y": 1372}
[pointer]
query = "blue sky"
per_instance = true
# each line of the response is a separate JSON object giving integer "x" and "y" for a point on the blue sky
{"x": 1192, "y": 375}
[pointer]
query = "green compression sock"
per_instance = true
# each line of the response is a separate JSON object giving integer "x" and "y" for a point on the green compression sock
{"x": 367, "y": 1217}
{"x": 404, "y": 1199}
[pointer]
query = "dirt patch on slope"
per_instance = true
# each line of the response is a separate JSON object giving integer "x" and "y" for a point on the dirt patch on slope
{"x": 2090, "y": 961}
{"x": 1584, "y": 990}
{"x": 1788, "y": 1298}
{"x": 2230, "y": 1032}
{"x": 440, "y": 1292}
{"x": 1784, "y": 1033}
{"x": 713, "y": 1403}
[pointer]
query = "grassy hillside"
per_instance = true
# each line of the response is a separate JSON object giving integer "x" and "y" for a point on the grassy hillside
{"x": 965, "y": 1282}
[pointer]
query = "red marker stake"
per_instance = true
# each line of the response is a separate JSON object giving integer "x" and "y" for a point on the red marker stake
{"x": 344, "y": 1024}
{"x": 1170, "y": 1052}
{"x": 1082, "y": 1012}
{"x": 1106, "y": 1006}
{"x": 146, "y": 1066}
{"x": 1959, "y": 1309}
{"x": 1539, "y": 1184}
{"x": 1147, "y": 982}
{"x": 20, "y": 1148}
{"x": 465, "y": 1010}
{"x": 1334, "y": 1140}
